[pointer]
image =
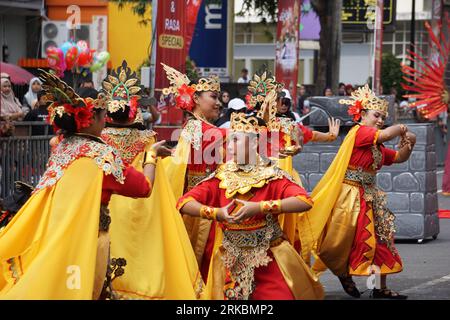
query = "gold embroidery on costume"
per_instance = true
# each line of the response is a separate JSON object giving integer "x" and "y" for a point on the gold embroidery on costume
{"x": 75, "y": 147}
{"x": 192, "y": 132}
{"x": 246, "y": 250}
{"x": 242, "y": 178}
{"x": 129, "y": 142}
{"x": 384, "y": 218}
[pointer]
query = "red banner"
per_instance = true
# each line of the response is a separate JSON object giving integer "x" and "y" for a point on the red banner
{"x": 287, "y": 48}
{"x": 171, "y": 50}
{"x": 192, "y": 8}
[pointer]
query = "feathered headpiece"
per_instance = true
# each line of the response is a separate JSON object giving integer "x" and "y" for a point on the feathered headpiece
{"x": 64, "y": 100}
{"x": 427, "y": 83}
{"x": 364, "y": 99}
{"x": 121, "y": 87}
{"x": 184, "y": 93}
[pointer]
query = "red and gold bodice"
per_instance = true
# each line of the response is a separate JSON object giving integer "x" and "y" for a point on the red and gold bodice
{"x": 206, "y": 151}
{"x": 129, "y": 142}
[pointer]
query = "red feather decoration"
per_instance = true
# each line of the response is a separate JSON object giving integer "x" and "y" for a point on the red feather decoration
{"x": 426, "y": 84}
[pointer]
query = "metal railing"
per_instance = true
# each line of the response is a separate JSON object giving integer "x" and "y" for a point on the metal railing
{"x": 22, "y": 159}
{"x": 27, "y": 128}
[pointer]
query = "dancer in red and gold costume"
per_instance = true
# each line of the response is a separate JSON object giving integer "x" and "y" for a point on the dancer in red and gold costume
{"x": 285, "y": 138}
{"x": 251, "y": 258}
{"x": 143, "y": 230}
{"x": 427, "y": 83}
{"x": 57, "y": 245}
{"x": 351, "y": 226}
{"x": 199, "y": 150}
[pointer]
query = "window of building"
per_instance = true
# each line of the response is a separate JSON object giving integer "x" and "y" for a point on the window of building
{"x": 255, "y": 33}
{"x": 398, "y": 42}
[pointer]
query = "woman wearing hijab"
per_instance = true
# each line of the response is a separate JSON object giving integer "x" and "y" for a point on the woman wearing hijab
{"x": 30, "y": 97}
{"x": 10, "y": 107}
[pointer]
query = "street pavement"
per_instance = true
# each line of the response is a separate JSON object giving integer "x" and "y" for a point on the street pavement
{"x": 426, "y": 272}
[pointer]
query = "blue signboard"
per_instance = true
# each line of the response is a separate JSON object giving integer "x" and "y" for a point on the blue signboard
{"x": 209, "y": 43}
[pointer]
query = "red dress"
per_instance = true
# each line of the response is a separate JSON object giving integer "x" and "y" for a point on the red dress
{"x": 270, "y": 283}
{"x": 206, "y": 145}
{"x": 388, "y": 260}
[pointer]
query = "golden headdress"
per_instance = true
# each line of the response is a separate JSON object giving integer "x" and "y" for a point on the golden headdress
{"x": 260, "y": 86}
{"x": 364, "y": 99}
{"x": 121, "y": 87}
{"x": 240, "y": 122}
{"x": 180, "y": 88}
{"x": 64, "y": 100}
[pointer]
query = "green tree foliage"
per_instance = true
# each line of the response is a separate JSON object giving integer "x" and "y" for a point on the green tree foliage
{"x": 391, "y": 74}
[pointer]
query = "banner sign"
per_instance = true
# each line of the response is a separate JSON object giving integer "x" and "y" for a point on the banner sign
{"x": 171, "y": 50}
{"x": 287, "y": 46}
{"x": 209, "y": 44}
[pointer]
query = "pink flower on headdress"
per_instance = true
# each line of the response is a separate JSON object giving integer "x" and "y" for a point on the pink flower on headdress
{"x": 355, "y": 110}
{"x": 185, "y": 98}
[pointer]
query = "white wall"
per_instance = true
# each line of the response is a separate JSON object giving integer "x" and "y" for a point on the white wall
{"x": 355, "y": 63}
{"x": 12, "y": 27}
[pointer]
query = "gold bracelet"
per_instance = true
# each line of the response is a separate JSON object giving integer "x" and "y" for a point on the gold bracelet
{"x": 150, "y": 157}
{"x": 271, "y": 206}
{"x": 209, "y": 213}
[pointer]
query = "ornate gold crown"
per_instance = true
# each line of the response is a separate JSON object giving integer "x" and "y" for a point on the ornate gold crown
{"x": 178, "y": 79}
{"x": 260, "y": 86}
{"x": 242, "y": 123}
{"x": 365, "y": 99}
{"x": 120, "y": 87}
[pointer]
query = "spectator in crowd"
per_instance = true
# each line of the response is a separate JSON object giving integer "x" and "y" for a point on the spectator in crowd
{"x": 306, "y": 110}
{"x": 327, "y": 92}
{"x": 341, "y": 90}
{"x": 39, "y": 113}
{"x": 86, "y": 83}
{"x": 225, "y": 98}
{"x": 284, "y": 107}
{"x": 10, "y": 106}
{"x": 348, "y": 89}
{"x": 302, "y": 96}
{"x": 6, "y": 129}
{"x": 5, "y": 75}
{"x": 30, "y": 98}
{"x": 244, "y": 76}
{"x": 150, "y": 112}
{"x": 235, "y": 105}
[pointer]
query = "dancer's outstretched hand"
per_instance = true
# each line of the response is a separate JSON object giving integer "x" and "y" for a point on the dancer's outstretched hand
{"x": 334, "y": 126}
{"x": 161, "y": 150}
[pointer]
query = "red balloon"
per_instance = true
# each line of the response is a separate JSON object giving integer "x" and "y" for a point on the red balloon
{"x": 85, "y": 58}
{"x": 71, "y": 57}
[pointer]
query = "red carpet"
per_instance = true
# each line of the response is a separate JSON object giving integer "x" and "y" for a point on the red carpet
{"x": 444, "y": 214}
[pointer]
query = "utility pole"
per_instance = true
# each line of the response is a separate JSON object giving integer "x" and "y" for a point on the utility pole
{"x": 413, "y": 29}
{"x": 153, "y": 41}
{"x": 230, "y": 40}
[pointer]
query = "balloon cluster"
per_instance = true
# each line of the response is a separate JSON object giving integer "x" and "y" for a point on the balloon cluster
{"x": 72, "y": 56}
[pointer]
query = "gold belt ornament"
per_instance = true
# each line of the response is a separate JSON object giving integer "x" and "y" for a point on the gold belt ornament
{"x": 383, "y": 218}
{"x": 244, "y": 252}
